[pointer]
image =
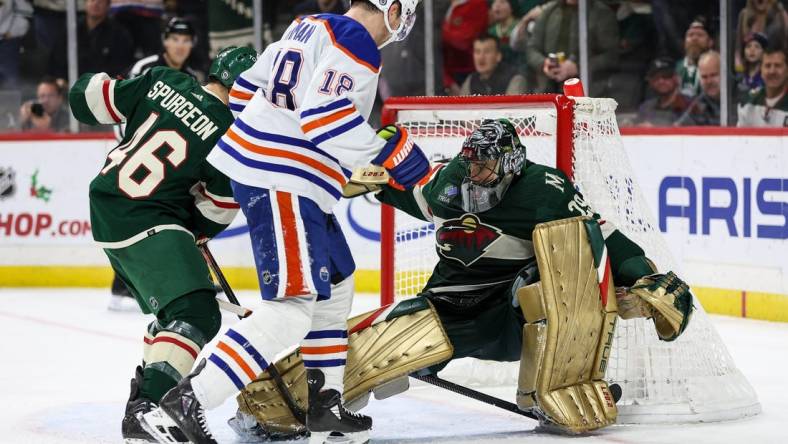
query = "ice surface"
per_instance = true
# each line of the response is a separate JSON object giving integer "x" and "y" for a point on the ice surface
{"x": 65, "y": 363}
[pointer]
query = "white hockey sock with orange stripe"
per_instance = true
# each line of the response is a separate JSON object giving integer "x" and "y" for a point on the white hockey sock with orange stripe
{"x": 325, "y": 346}
{"x": 247, "y": 348}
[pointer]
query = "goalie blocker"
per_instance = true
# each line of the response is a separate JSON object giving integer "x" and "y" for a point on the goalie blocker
{"x": 570, "y": 317}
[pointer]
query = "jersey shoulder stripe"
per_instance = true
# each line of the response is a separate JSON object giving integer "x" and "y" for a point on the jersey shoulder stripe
{"x": 334, "y": 132}
{"x": 238, "y": 94}
{"x": 341, "y": 103}
{"x": 249, "y": 86}
{"x": 350, "y": 37}
{"x": 328, "y": 118}
{"x": 99, "y": 96}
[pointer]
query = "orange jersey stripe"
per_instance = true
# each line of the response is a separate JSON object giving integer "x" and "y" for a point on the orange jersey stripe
{"x": 342, "y": 48}
{"x": 286, "y": 154}
{"x": 240, "y": 94}
{"x": 323, "y": 121}
{"x": 237, "y": 358}
{"x": 323, "y": 350}
{"x": 295, "y": 277}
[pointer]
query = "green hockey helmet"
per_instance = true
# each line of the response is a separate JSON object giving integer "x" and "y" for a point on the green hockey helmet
{"x": 230, "y": 63}
{"x": 493, "y": 157}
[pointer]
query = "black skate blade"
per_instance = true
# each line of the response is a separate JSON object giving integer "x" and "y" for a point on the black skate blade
{"x": 339, "y": 438}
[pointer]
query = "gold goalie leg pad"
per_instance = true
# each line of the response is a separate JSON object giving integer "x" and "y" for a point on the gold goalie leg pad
{"x": 570, "y": 320}
{"x": 383, "y": 345}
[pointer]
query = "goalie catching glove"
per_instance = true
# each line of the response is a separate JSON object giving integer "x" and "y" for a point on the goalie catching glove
{"x": 402, "y": 158}
{"x": 663, "y": 297}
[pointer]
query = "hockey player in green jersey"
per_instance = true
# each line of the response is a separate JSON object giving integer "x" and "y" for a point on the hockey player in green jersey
{"x": 155, "y": 197}
{"x": 485, "y": 204}
{"x": 489, "y": 206}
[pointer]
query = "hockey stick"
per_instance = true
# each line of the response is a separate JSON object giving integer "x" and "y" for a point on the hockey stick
{"x": 473, "y": 394}
{"x": 365, "y": 180}
{"x": 211, "y": 261}
{"x": 615, "y": 390}
{"x": 242, "y": 312}
{"x": 297, "y": 411}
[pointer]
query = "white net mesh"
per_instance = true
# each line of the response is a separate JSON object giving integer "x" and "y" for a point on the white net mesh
{"x": 692, "y": 379}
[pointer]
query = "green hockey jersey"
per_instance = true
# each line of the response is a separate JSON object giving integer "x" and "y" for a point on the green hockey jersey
{"x": 157, "y": 177}
{"x": 487, "y": 249}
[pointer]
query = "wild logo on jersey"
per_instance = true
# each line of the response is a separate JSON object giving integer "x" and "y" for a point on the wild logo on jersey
{"x": 465, "y": 239}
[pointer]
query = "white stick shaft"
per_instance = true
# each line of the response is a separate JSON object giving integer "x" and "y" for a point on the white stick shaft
{"x": 232, "y": 308}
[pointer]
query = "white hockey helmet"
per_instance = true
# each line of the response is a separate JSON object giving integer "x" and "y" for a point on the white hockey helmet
{"x": 407, "y": 18}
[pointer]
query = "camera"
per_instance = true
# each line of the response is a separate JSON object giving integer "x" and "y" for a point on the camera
{"x": 37, "y": 109}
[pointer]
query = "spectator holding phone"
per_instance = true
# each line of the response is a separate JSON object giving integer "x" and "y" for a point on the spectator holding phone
{"x": 47, "y": 113}
{"x": 553, "y": 49}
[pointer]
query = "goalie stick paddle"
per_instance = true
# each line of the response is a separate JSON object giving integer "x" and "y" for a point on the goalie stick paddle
{"x": 297, "y": 411}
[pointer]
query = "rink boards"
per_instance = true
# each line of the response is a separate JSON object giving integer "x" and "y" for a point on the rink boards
{"x": 720, "y": 196}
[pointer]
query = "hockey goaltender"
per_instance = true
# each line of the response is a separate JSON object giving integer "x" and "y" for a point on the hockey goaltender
{"x": 527, "y": 271}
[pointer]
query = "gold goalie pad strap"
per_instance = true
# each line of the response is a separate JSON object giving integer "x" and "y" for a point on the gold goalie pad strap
{"x": 383, "y": 345}
{"x": 570, "y": 319}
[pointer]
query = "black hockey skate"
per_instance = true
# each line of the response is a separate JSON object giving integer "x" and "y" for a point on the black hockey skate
{"x": 130, "y": 427}
{"x": 328, "y": 420}
{"x": 180, "y": 411}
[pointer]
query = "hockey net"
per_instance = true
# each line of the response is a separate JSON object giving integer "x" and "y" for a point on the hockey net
{"x": 692, "y": 379}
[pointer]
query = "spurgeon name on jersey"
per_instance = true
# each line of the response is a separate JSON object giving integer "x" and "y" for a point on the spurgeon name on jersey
{"x": 181, "y": 107}
{"x": 301, "y": 111}
{"x": 485, "y": 250}
{"x": 157, "y": 177}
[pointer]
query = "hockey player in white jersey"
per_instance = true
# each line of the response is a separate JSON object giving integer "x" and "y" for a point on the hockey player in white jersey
{"x": 300, "y": 128}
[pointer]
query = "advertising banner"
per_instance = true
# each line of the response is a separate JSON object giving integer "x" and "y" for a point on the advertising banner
{"x": 721, "y": 199}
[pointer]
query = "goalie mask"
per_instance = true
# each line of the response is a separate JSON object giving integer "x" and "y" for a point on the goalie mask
{"x": 406, "y": 22}
{"x": 493, "y": 157}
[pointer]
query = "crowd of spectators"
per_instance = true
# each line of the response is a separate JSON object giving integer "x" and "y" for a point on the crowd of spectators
{"x": 658, "y": 58}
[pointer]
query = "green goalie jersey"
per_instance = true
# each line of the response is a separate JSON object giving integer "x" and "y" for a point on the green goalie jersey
{"x": 488, "y": 249}
{"x": 157, "y": 177}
